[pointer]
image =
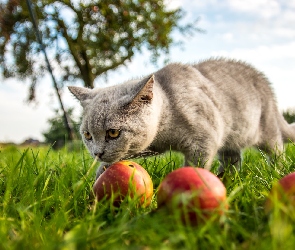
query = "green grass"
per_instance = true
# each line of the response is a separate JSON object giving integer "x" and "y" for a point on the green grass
{"x": 46, "y": 202}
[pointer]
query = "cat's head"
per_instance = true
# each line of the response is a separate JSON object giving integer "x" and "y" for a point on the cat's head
{"x": 118, "y": 121}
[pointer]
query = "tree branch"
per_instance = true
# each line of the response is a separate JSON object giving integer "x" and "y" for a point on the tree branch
{"x": 115, "y": 65}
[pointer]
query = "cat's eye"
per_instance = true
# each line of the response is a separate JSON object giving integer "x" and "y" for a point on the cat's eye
{"x": 87, "y": 136}
{"x": 113, "y": 133}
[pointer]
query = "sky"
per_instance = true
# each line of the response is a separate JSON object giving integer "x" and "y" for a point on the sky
{"x": 259, "y": 32}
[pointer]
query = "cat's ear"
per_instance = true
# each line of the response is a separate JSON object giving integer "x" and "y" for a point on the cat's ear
{"x": 82, "y": 94}
{"x": 145, "y": 95}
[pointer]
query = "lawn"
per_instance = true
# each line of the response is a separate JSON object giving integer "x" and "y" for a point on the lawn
{"x": 47, "y": 202}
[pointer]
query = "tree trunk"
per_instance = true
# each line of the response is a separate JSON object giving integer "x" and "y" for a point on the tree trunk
{"x": 70, "y": 131}
{"x": 86, "y": 71}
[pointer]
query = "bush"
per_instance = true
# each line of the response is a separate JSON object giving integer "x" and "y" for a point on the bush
{"x": 57, "y": 134}
{"x": 289, "y": 115}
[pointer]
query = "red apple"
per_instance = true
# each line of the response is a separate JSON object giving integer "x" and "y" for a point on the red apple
{"x": 283, "y": 191}
{"x": 195, "y": 191}
{"x": 124, "y": 178}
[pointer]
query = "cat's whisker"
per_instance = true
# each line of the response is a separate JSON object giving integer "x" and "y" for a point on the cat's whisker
{"x": 141, "y": 154}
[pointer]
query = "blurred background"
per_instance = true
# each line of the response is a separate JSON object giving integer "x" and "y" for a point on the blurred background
{"x": 102, "y": 43}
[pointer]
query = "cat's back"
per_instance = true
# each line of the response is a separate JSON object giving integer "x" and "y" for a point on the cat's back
{"x": 234, "y": 74}
{"x": 179, "y": 80}
{"x": 222, "y": 66}
{"x": 228, "y": 73}
{"x": 232, "y": 88}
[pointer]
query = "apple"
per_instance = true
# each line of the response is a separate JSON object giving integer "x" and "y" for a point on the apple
{"x": 195, "y": 192}
{"x": 283, "y": 191}
{"x": 124, "y": 178}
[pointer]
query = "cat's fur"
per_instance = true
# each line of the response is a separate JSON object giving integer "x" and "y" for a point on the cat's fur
{"x": 217, "y": 106}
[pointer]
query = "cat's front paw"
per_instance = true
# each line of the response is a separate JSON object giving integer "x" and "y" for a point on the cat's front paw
{"x": 102, "y": 167}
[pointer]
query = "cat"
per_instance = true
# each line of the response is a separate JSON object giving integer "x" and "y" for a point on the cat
{"x": 215, "y": 107}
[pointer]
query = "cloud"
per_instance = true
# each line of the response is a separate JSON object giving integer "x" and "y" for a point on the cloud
{"x": 172, "y": 4}
{"x": 265, "y": 18}
{"x": 261, "y": 53}
{"x": 18, "y": 117}
{"x": 21, "y": 120}
{"x": 228, "y": 36}
{"x": 264, "y": 8}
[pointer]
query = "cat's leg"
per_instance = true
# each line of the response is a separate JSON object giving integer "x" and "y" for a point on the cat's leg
{"x": 229, "y": 158}
{"x": 200, "y": 156}
{"x": 274, "y": 149}
{"x": 102, "y": 167}
{"x": 271, "y": 140}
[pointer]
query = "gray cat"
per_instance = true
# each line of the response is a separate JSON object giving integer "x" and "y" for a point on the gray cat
{"x": 215, "y": 107}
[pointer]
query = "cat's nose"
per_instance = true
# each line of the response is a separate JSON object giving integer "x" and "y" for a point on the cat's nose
{"x": 99, "y": 154}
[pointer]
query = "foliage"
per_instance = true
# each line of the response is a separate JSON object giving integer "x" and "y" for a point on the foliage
{"x": 83, "y": 38}
{"x": 46, "y": 202}
{"x": 289, "y": 115}
{"x": 57, "y": 134}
